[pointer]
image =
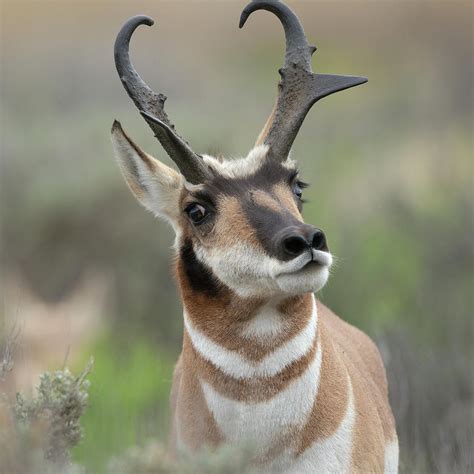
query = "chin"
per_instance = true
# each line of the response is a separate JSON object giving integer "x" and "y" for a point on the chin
{"x": 308, "y": 280}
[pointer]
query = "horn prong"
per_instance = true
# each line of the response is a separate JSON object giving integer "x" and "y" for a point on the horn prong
{"x": 327, "y": 84}
{"x": 299, "y": 87}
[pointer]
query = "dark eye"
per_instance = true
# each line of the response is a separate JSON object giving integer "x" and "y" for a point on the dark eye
{"x": 297, "y": 191}
{"x": 196, "y": 212}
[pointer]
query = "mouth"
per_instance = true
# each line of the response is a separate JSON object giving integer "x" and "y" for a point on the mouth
{"x": 319, "y": 258}
{"x": 309, "y": 272}
{"x": 311, "y": 264}
{"x": 314, "y": 261}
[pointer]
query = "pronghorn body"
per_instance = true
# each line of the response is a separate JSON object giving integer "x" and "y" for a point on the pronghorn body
{"x": 309, "y": 397}
{"x": 262, "y": 363}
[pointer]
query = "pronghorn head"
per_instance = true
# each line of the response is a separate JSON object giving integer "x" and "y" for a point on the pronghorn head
{"x": 238, "y": 222}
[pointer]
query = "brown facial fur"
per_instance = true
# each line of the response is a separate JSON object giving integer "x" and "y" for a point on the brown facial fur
{"x": 287, "y": 199}
{"x": 246, "y": 209}
{"x": 231, "y": 225}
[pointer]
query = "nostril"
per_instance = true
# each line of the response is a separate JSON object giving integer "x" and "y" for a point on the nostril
{"x": 295, "y": 245}
{"x": 319, "y": 240}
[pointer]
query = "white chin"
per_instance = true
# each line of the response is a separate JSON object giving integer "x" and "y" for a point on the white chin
{"x": 303, "y": 281}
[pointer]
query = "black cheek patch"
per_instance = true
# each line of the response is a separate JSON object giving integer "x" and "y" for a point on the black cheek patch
{"x": 200, "y": 276}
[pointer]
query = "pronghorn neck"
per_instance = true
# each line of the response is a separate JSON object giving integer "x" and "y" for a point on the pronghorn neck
{"x": 250, "y": 327}
{"x": 253, "y": 361}
{"x": 281, "y": 375}
{"x": 251, "y": 330}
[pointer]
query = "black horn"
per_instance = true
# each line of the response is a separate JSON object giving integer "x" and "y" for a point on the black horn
{"x": 151, "y": 106}
{"x": 299, "y": 87}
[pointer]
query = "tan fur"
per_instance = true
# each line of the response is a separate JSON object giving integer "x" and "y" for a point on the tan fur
{"x": 331, "y": 401}
{"x": 287, "y": 200}
{"x": 264, "y": 199}
{"x": 232, "y": 217}
{"x": 223, "y": 319}
{"x": 354, "y": 352}
{"x": 346, "y": 351}
{"x": 175, "y": 389}
{"x": 196, "y": 426}
{"x": 362, "y": 353}
{"x": 266, "y": 128}
{"x": 257, "y": 389}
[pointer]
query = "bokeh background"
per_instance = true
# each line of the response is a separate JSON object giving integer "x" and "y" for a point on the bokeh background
{"x": 85, "y": 271}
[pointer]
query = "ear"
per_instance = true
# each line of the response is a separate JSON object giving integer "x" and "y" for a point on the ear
{"x": 156, "y": 186}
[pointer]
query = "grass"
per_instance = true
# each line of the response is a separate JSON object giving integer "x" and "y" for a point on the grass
{"x": 128, "y": 403}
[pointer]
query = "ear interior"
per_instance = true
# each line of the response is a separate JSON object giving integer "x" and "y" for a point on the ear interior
{"x": 156, "y": 186}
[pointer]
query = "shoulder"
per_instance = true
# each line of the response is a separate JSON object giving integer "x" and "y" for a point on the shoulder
{"x": 354, "y": 344}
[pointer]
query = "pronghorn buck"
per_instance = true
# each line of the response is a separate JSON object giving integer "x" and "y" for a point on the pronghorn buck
{"x": 263, "y": 362}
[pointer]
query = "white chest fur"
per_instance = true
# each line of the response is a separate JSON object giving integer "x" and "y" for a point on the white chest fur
{"x": 263, "y": 423}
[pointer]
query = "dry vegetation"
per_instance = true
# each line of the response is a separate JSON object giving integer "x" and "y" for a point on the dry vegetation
{"x": 37, "y": 433}
{"x": 432, "y": 396}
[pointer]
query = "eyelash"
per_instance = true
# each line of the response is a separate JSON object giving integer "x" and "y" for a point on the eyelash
{"x": 301, "y": 184}
{"x": 293, "y": 180}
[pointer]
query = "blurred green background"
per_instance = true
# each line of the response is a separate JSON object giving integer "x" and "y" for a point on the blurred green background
{"x": 391, "y": 173}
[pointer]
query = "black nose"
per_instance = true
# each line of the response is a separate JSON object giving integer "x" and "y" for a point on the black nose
{"x": 295, "y": 245}
{"x": 298, "y": 242}
{"x": 318, "y": 240}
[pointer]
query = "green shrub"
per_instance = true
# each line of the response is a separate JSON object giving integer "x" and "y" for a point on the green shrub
{"x": 37, "y": 433}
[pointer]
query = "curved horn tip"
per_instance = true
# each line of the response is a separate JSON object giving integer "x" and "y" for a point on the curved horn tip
{"x": 141, "y": 20}
{"x": 275, "y": 6}
{"x": 126, "y": 31}
{"x": 243, "y": 18}
{"x": 249, "y": 9}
